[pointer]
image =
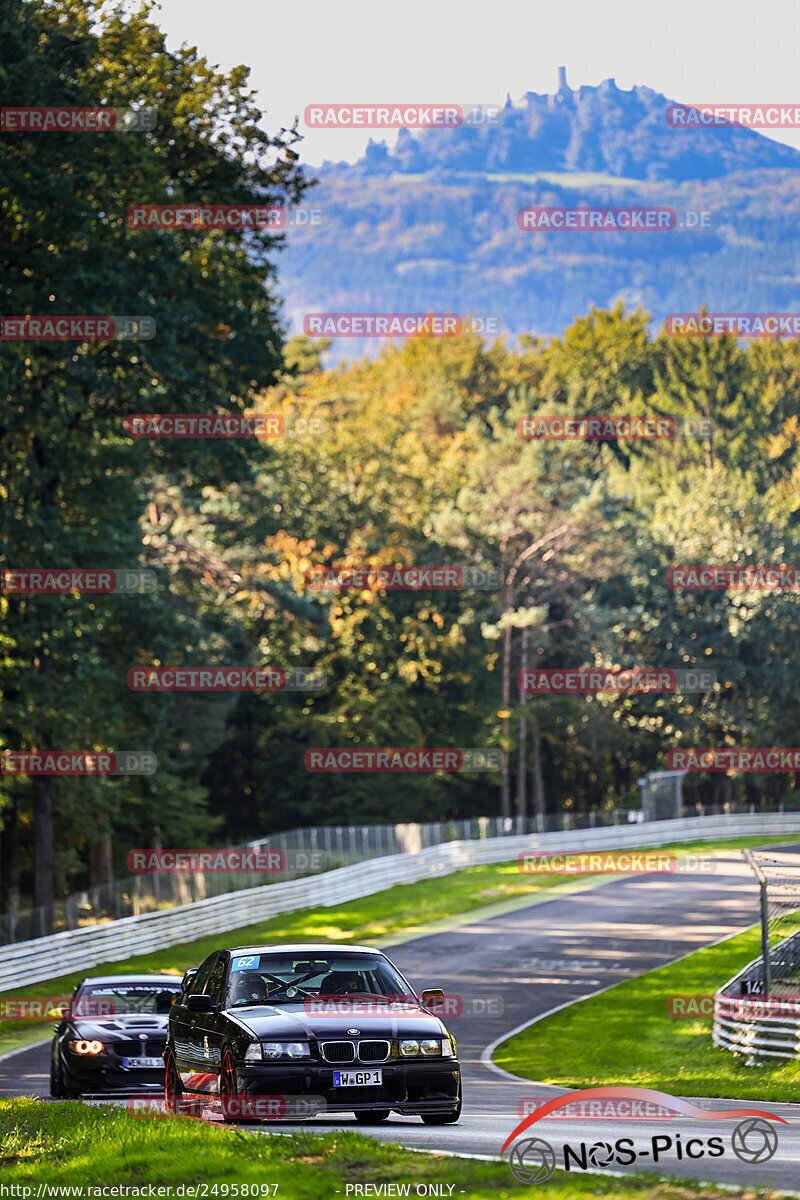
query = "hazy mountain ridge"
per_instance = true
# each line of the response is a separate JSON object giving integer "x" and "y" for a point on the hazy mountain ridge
{"x": 601, "y": 129}
{"x": 424, "y": 228}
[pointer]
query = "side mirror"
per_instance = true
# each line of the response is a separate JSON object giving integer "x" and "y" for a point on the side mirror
{"x": 188, "y": 977}
{"x": 199, "y": 1003}
{"x": 433, "y": 998}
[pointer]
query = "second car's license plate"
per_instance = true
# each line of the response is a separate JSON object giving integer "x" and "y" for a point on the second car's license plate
{"x": 357, "y": 1078}
{"x": 151, "y": 1063}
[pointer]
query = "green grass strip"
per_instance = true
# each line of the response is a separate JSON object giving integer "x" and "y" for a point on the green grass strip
{"x": 642, "y": 1046}
{"x": 72, "y": 1145}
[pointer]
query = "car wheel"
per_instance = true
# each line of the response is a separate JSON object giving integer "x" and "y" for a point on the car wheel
{"x": 228, "y": 1091}
{"x": 445, "y": 1118}
{"x": 58, "y": 1089}
{"x": 173, "y": 1089}
{"x": 56, "y": 1082}
{"x": 372, "y": 1116}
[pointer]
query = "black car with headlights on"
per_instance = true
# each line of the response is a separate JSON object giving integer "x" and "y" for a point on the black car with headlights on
{"x": 288, "y": 1031}
{"x": 112, "y": 1038}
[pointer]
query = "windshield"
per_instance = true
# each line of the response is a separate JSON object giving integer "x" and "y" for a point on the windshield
{"x": 278, "y": 978}
{"x": 114, "y": 999}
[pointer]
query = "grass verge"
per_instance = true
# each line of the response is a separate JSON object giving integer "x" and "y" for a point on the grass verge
{"x": 644, "y": 1047}
{"x": 74, "y": 1146}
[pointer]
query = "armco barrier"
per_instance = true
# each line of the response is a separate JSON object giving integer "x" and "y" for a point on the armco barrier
{"x": 46, "y": 958}
{"x": 750, "y": 1030}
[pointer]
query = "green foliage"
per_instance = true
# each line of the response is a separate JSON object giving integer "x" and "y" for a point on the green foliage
{"x": 410, "y": 459}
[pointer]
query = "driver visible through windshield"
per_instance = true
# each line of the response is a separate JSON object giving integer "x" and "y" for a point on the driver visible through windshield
{"x": 289, "y": 979}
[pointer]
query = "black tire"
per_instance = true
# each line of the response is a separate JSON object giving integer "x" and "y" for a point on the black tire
{"x": 445, "y": 1118}
{"x": 58, "y": 1089}
{"x": 372, "y": 1116}
{"x": 56, "y": 1082}
{"x": 173, "y": 1088}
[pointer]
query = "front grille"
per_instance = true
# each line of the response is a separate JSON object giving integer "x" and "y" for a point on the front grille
{"x": 338, "y": 1052}
{"x": 152, "y": 1048}
{"x": 373, "y": 1051}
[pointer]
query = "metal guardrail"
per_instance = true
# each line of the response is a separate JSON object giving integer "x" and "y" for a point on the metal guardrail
{"x": 752, "y": 1030}
{"x": 336, "y": 845}
{"x": 78, "y": 949}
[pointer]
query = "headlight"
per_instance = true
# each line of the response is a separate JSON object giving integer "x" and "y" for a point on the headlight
{"x": 253, "y": 1052}
{"x": 426, "y": 1047}
{"x": 86, "y": 1047}
{"x": 286, "y": 1049}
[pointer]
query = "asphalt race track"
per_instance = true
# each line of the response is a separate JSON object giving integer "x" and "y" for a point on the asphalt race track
{"x": 517, "y": 966}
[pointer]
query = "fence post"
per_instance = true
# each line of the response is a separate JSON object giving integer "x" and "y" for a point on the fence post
{"x": 765, "y": 939}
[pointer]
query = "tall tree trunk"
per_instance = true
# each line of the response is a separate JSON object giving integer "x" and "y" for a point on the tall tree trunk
{"x": 522, "y": 761}
{"x": 100, "y": 867}
{"x": 9, "y": 869}
{"x": 505, "y": 689}
{"x": 537, "y": 778}
{"x": 43, "y": 890}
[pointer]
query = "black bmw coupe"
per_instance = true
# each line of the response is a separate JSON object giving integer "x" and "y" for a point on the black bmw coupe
{"x": 113, "y": 1038}
{"x": 265, "y": 1032}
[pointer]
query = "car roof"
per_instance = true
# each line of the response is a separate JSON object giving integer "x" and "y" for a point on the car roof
{"x": 304, "y": 948}
{"x": 132, "y": 979}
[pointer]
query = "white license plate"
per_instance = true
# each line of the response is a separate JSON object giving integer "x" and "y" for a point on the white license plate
{"x": 357, "y": 1078}
{"x": 149, "y": 1063}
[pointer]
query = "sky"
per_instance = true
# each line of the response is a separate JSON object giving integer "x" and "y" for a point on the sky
{"x": 477, "y": 51}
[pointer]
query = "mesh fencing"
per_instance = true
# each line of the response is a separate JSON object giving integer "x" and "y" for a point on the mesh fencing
{"x": 778, "y": 875}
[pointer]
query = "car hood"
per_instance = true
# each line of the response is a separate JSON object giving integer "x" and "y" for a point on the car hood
{"x": 293, "y": 1021}
{"x": 119, "y": 1027}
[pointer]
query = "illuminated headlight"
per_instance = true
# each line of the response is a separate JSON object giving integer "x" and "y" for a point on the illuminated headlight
{"x": 286, "y": 1049}
{"x": 86, "y": 1047}
{"x": 253, "y": 1052}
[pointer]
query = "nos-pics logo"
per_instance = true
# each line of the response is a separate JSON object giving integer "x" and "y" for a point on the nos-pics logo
{"x": 533, "y": 1160}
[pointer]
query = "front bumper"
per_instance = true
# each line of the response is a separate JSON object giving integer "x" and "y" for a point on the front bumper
{"x": 408, "y": 1087}
{"x": 105, "y": 1073}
